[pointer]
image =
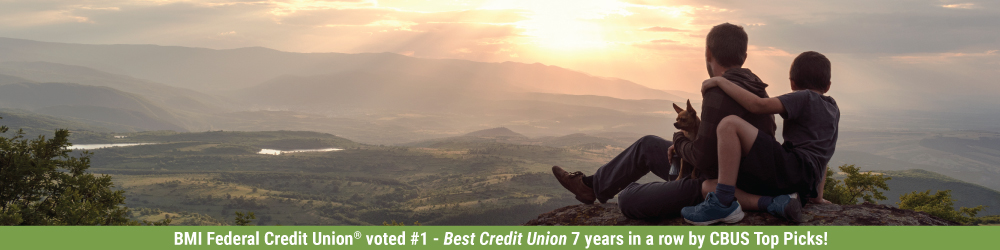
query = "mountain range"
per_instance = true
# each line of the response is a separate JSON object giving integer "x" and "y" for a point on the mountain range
{"x": 223, "y": 70}
{"x": 370, "y": 97}
{"x": 385, "y": 98}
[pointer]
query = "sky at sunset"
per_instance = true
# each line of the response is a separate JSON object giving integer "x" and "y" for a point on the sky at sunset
{"x": 885, "y": 53}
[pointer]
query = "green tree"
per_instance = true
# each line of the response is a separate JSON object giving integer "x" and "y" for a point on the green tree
{"x": 989, "y": 220}
{"x": 857, "y": 185}
{"x": 244, "y": 219}
{"x": 940, "y": 204}
{"x": 40, "y": 184}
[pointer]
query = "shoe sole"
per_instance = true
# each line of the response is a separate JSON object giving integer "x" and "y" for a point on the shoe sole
{"x": 794, "y": 210}
{"x": 732, "y": 218}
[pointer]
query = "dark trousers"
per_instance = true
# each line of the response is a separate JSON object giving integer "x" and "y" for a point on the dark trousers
{"x": 649, "y": 201}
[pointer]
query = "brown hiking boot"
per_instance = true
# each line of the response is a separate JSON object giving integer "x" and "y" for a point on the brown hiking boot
{"x": 574, "y": 183}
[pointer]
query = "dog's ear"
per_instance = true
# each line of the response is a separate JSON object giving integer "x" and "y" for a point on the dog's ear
{"x": 689, "y": 106}
{"x": 678, "y": 109}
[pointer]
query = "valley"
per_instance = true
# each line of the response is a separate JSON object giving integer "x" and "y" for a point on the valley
{"x": 362, "y": 139}
{"x": 461, "y": 180}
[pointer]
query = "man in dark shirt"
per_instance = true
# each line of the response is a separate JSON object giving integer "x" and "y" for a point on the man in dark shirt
{"x": 703, "y": 151}
{"x": 726, "y": 47}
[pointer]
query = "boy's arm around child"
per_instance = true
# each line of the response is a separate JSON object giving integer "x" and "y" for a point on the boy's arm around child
{"x": 751, "y": 102}
{"x": 758, "y": 105}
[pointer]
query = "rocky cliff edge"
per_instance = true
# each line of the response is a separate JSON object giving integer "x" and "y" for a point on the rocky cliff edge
{"x": 815, "y": 214}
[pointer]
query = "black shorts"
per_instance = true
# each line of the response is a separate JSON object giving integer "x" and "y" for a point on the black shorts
{"x": 771, "y": 169}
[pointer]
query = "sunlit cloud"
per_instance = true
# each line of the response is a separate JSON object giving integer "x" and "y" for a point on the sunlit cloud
{"x": 767, "y": 51}
{"x": 31, "y": 19}
{"x": 564, "y": 25}
{"x": 944, "y": 58}
{"x": 661, "y": 29}
{"x": 960, "y": 6}
{"x": 287, "y": 7}
{"x": 664, "y": 45}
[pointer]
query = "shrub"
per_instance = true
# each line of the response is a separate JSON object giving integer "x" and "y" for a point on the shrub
{"x": 857, "y": 185}
{"x": 940, "y": 204}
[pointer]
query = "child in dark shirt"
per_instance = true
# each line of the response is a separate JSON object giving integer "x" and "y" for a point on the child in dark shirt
{"x": 770, "y": 175}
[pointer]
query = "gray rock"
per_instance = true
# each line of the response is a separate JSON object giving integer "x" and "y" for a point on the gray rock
{"x": 815, "y": 214}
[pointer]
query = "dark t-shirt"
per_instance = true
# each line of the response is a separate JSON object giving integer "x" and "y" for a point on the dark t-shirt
{"x": 811, "y": 126}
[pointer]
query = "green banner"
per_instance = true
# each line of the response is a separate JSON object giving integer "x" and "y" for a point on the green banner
{"x": 500, "y": 237}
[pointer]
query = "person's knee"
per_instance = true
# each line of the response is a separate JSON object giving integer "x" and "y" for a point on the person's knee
{"x": 650, "y": 138}
{"x": 728, "y": 124}
{"x": 624, "y": 196}
{"x": 630, "y": 203}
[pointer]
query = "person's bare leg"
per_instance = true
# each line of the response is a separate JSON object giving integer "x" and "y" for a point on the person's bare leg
{"x": 736, "y": 137}
{"x": 747, "y": 201}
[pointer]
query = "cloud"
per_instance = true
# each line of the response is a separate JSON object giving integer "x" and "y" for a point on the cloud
{"x": 36, "y": 18}
{"x": 363, "y": 16}
{"x": 960, "y": 6}
{"x": 328, "y": 17}
{"x": 664, "y": 45}
{"x": 768, "y": 51}
{"x": 446, "y": 40}
{"x": 892, "y": 26}
{"x": 661, "y": 29}
{"x": 944, "y": 58}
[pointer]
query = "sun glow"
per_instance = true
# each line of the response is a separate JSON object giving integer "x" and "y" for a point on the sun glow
{"x": 564, "y": 24}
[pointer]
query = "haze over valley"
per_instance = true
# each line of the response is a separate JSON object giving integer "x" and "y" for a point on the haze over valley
{"x": 371, "y": 137}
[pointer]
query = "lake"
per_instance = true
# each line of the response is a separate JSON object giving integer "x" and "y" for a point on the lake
{"x": 267, "y": 151}
{"x": 100, "y": 146}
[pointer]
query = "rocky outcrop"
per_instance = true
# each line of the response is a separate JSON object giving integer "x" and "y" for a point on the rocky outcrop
{"x": 815, "y": 214}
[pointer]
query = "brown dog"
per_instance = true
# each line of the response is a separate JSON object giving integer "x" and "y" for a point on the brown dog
{"x": 687, "y": 122}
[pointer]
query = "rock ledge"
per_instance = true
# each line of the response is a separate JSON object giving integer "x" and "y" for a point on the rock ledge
{"x": 815, "y": 214}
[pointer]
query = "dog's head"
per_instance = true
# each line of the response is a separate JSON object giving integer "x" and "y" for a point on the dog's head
{"x": 687, "y": 119}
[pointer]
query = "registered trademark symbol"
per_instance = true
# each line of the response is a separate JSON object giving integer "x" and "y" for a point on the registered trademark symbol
{"x": 357, "y": 234}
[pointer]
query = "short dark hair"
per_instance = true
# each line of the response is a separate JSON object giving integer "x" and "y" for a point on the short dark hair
{"x": 728, "y": 44}
{"x": 811, "y": 70}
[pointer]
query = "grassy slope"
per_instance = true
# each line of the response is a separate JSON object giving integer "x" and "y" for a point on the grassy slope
{"x": 448, "y": 182}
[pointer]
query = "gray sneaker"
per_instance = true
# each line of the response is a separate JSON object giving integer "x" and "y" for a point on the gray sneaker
{"x": 787, "y": 206}
{"x": 710, "y": 211}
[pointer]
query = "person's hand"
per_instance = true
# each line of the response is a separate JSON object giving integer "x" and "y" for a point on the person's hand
{"x": 710, "y": 83}
{"x": 670, "y": 153}
{"x": 819, "y": 201}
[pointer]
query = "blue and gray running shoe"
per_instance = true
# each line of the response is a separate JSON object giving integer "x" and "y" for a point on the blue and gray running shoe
{"x": 787, "y": 206}
{"x": 711, "y": 211}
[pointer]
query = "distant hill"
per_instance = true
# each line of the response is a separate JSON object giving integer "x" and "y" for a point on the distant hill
{"x": 212, "y": 70}
{"x": 99, "y": 106}
{"x": 35, "y": 124}
{"x": 161, "y": 94}
{"x": 579, "y": 140}
{"x": 605, "y": 142}
{"x": 965, "y": 194}
{"x": 495, "y": 132}
{"x": 381, "y": 98}
{"x": 444, "y": 104}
